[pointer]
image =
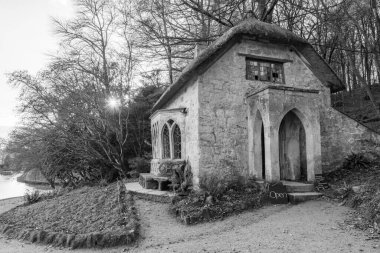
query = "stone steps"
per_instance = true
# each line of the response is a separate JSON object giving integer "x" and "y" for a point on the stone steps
{"x": 300, "y": 192}
{"x": 297, "y": 191}
{"x": 298, "y": 187}
{"x": 298, "y": 197}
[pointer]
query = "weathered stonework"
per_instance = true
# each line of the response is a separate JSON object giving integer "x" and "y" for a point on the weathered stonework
{"x": 269, "y": 107}
{"x": 183, "y": 110}
{"x": 342, "y": 136}
{"x": 226, "y": 114}
{"x": 224, "y": 122}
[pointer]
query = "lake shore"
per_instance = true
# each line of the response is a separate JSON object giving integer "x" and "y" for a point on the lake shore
{"x": 9, "y": 203}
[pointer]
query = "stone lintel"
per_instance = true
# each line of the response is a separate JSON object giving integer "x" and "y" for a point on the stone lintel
{"x": 181, "y": 109}
{"x": 280, "y": 87}
{"x": 264, "y": 58}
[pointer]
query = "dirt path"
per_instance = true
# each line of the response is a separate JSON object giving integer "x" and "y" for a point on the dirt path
{"x": 309, "y": 227}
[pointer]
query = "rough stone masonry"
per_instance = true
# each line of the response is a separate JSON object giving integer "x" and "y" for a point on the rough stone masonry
{"x": 269, "y": 127}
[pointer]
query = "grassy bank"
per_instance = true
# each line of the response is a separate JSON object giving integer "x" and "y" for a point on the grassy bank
{"x": 87, "y": 217}
{"x": 357, "y": 185}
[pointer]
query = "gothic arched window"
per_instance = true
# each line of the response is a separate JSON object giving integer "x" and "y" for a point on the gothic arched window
{"x": 176, "y": 142}
{"x": 155, "y": 140}
{"x": 165, "y": 142}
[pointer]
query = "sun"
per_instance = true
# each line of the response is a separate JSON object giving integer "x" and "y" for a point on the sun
{"x": 113, "y": 103}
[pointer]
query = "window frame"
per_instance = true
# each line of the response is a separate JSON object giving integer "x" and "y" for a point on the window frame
{"x": 174, "y": 127}
{"x": 170, "y": 125}
{"x": 163, "y": 139}
{"x": 259, "y": 61}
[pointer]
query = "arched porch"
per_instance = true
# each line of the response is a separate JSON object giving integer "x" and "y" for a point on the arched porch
{"x": 284, "y": 136}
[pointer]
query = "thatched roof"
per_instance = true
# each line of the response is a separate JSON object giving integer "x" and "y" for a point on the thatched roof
{"x": 258, "y": 31}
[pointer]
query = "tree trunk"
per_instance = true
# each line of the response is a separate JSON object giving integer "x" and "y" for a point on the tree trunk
{"x": 167, "y": 43}
{"x": 356, "y": 73}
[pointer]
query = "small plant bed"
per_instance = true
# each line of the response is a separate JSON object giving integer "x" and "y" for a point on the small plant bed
{"x": 83, "y": 218}
{"x": 200, "y": 207}
{"x": 356, "y": 184}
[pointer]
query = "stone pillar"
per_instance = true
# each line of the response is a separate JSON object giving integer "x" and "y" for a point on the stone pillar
{"x": 313, "y": 147}
{"x": 255, "y": 123}
{"x": 272, "y": 169}
{"x": 251, "y": 151}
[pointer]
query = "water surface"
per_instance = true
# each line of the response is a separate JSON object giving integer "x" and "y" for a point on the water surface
{"x": 9, "y": 187}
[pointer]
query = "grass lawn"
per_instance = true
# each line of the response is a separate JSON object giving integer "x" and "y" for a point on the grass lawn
{"x": 87, "y": 217}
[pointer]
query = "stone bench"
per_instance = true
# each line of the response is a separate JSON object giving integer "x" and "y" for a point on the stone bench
{"x": 150, "y": 181}
{"x": 147, "y": 182}
{"x": 163, "y": 182}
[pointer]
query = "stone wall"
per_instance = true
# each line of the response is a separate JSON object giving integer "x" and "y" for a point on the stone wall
{"x": 223, "y": 123}
{"x": 223, "y": 112}
{"x": 215, "y": 126}
{"x": 187, "y": 98}
{"x": 341, "y": 136}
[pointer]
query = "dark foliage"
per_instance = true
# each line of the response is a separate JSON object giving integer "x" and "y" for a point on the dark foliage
{"x": 32, "y": 197}
{"x": 139, "y": 165}
{"x": 224, "y": 178}
{"x": 201, "y": 207}
{"x": 357, "y": 185}
{"x": 351, "y": 164}
{"x": 356, "y": 162}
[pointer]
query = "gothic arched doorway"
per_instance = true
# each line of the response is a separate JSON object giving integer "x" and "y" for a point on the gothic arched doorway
{"x": 292, "y": 147}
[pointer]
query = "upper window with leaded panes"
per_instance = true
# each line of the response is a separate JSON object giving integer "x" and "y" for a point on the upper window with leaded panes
{"x": 266, "y": 71}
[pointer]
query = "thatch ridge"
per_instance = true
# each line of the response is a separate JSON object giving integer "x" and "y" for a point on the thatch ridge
{"x": 258, "y": 30}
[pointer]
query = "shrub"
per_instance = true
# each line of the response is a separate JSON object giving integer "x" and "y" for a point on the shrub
{"x": 181, "y": 175}
{"x": 356, "y": 162}
{"x": 213, "y": 184}
{"x": 32, "y": 197}
{"x": 139, "y": 164}
{"x": 36, "y": 196}
{"x": 103, "y": 182}
{"x": 225, "y": 177}
{"x": 222, "y": 197}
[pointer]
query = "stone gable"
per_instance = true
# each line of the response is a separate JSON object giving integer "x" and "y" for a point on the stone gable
{"x": 273, "y": 131}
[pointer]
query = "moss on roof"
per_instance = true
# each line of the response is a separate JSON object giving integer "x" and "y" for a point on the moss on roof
{"x": 258, "y": 31}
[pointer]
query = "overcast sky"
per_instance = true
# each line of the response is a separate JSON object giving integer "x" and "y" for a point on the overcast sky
{"x": 26, "y": 40}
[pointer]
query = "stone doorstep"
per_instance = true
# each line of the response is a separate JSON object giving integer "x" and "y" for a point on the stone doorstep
{"x": 292, "y": 186}
{"x": 298, "y": 192}
{"x": 298, "y": 187}
{"x": 260, "y": 183}
{"x": 297, "y": 197}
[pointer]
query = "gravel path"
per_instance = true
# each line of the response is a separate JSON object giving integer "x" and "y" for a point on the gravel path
{"x": 309, "y": 227}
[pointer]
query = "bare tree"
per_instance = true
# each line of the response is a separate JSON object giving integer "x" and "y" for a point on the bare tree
{"x": 66, "y": 107}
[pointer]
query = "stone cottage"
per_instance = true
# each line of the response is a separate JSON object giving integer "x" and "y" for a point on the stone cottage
{"x": 259, "y": 97}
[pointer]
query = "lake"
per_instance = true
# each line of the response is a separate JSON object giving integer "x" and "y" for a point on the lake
{"x": 9, "y": 187}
